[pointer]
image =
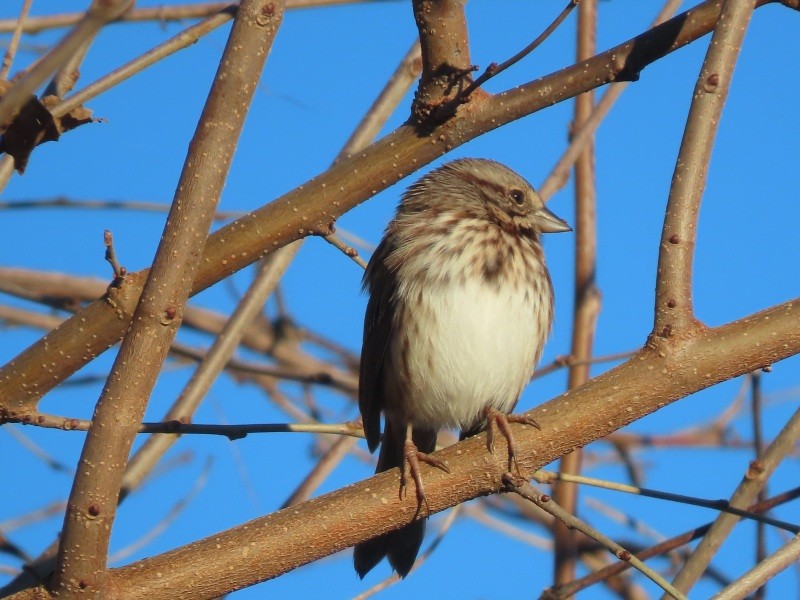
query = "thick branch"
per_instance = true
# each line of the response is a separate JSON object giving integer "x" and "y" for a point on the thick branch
{"x": 313, "y": 207}
{"x": 674, "y": 311}
{"x": 81, "y": 565}
{"x": 446, "y": 64}
{"x": 272, "y": 545}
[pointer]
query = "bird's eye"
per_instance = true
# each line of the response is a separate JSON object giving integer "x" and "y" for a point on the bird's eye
{"x": 518, "y": 196}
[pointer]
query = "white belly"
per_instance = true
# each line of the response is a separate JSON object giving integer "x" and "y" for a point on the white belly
{"x": 474, "y": 347}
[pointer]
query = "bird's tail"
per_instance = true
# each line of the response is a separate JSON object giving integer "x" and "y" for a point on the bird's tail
{"x": 402, "y": 545}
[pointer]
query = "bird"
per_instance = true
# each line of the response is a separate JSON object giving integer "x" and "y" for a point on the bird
{"x": 460, "y": 306}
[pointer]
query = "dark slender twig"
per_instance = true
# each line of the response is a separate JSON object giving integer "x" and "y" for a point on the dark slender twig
{"x": 176, "y": 427}
{"x": 569, "y": 590}
{"x": 494, "y": 69}
{"x": 720, "y": 505}
{"x": 543, "y": 501}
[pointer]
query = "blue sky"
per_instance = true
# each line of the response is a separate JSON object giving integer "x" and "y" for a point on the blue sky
{"x": 325, "y": 69}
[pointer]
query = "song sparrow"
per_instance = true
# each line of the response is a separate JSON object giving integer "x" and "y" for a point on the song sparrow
{"x": 460, "y": 305}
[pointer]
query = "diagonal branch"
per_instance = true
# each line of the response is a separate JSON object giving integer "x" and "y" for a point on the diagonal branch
{"x": 99, "y": 13}
{"x": 311, "y": 208}
{"x": 753, "y": 481}
{"x": 286, "y": 539}
{"x": 83, "y": 549}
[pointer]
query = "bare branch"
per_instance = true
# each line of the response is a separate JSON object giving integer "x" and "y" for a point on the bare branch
{"x": 720, "y": 505}
{"x": 674, "y": 310}
{"x": 182, "y": 40}
{"x": 83, "y": 549}
{"x": 586, "y": 295}
{"x": 281, "y": 541}
{"x": 446, "y": 67}
{"x": 664, "y": 547}
{"x": 762, "y": 572}
{"x": 755, "y": 478}
{"x": 527, "y": 491}
{"x": 311, "y": 208}
{"x": 99, "y": 13}
{"x": 8, "y": 57}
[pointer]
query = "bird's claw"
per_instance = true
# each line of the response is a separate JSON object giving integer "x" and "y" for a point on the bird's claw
{"x": 501, "y": 421}
{"x": 413, "y": 457}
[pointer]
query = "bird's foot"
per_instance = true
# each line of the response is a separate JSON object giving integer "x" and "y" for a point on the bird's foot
{"x": 413, "y": 457}
{"x": 496, "y": 420}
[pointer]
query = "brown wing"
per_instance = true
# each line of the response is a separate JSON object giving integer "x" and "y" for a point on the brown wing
{"x": 379, "y": 282}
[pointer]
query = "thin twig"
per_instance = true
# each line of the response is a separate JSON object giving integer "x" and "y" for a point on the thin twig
{"x": 111, "y": 257}
{"x": 13, "y": 44}
{"x": 348, "y": 251}
{"x": 494, "y": 69}
{"x": 527, "y": 491}
{"x": 586, "y": 297}
{"x": 718, "y": 505}
{"x": 177, "y": 428}
{"x": 754, "y": 479}
{"x": 572, "y": 588}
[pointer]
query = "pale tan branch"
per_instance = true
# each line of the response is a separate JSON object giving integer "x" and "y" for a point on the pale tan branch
{"x": 312, "y": 208}
{"x": 162, "y": 14}
{"x": 11, "y": 51}
{"x": 319, "y": 527}
{"x": 99, "y": 13}
{"x": 762, "y": 572}
{"x": 81, "y": 565}
{"x": 754, "y": 479}
{"x": 674, "y": 309}
{"x": 586, "y": 296}
{"x": 178, "y": 42}
{"x": 527, "y": 491}
{"x": 214, "y": 362}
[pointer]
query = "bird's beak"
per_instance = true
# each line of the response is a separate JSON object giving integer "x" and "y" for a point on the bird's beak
{"x": 548, "y": 222}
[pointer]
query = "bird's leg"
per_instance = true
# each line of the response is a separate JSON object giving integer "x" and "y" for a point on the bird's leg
{"x": 501, "y": 421}
{"x": 413, "y": 456}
